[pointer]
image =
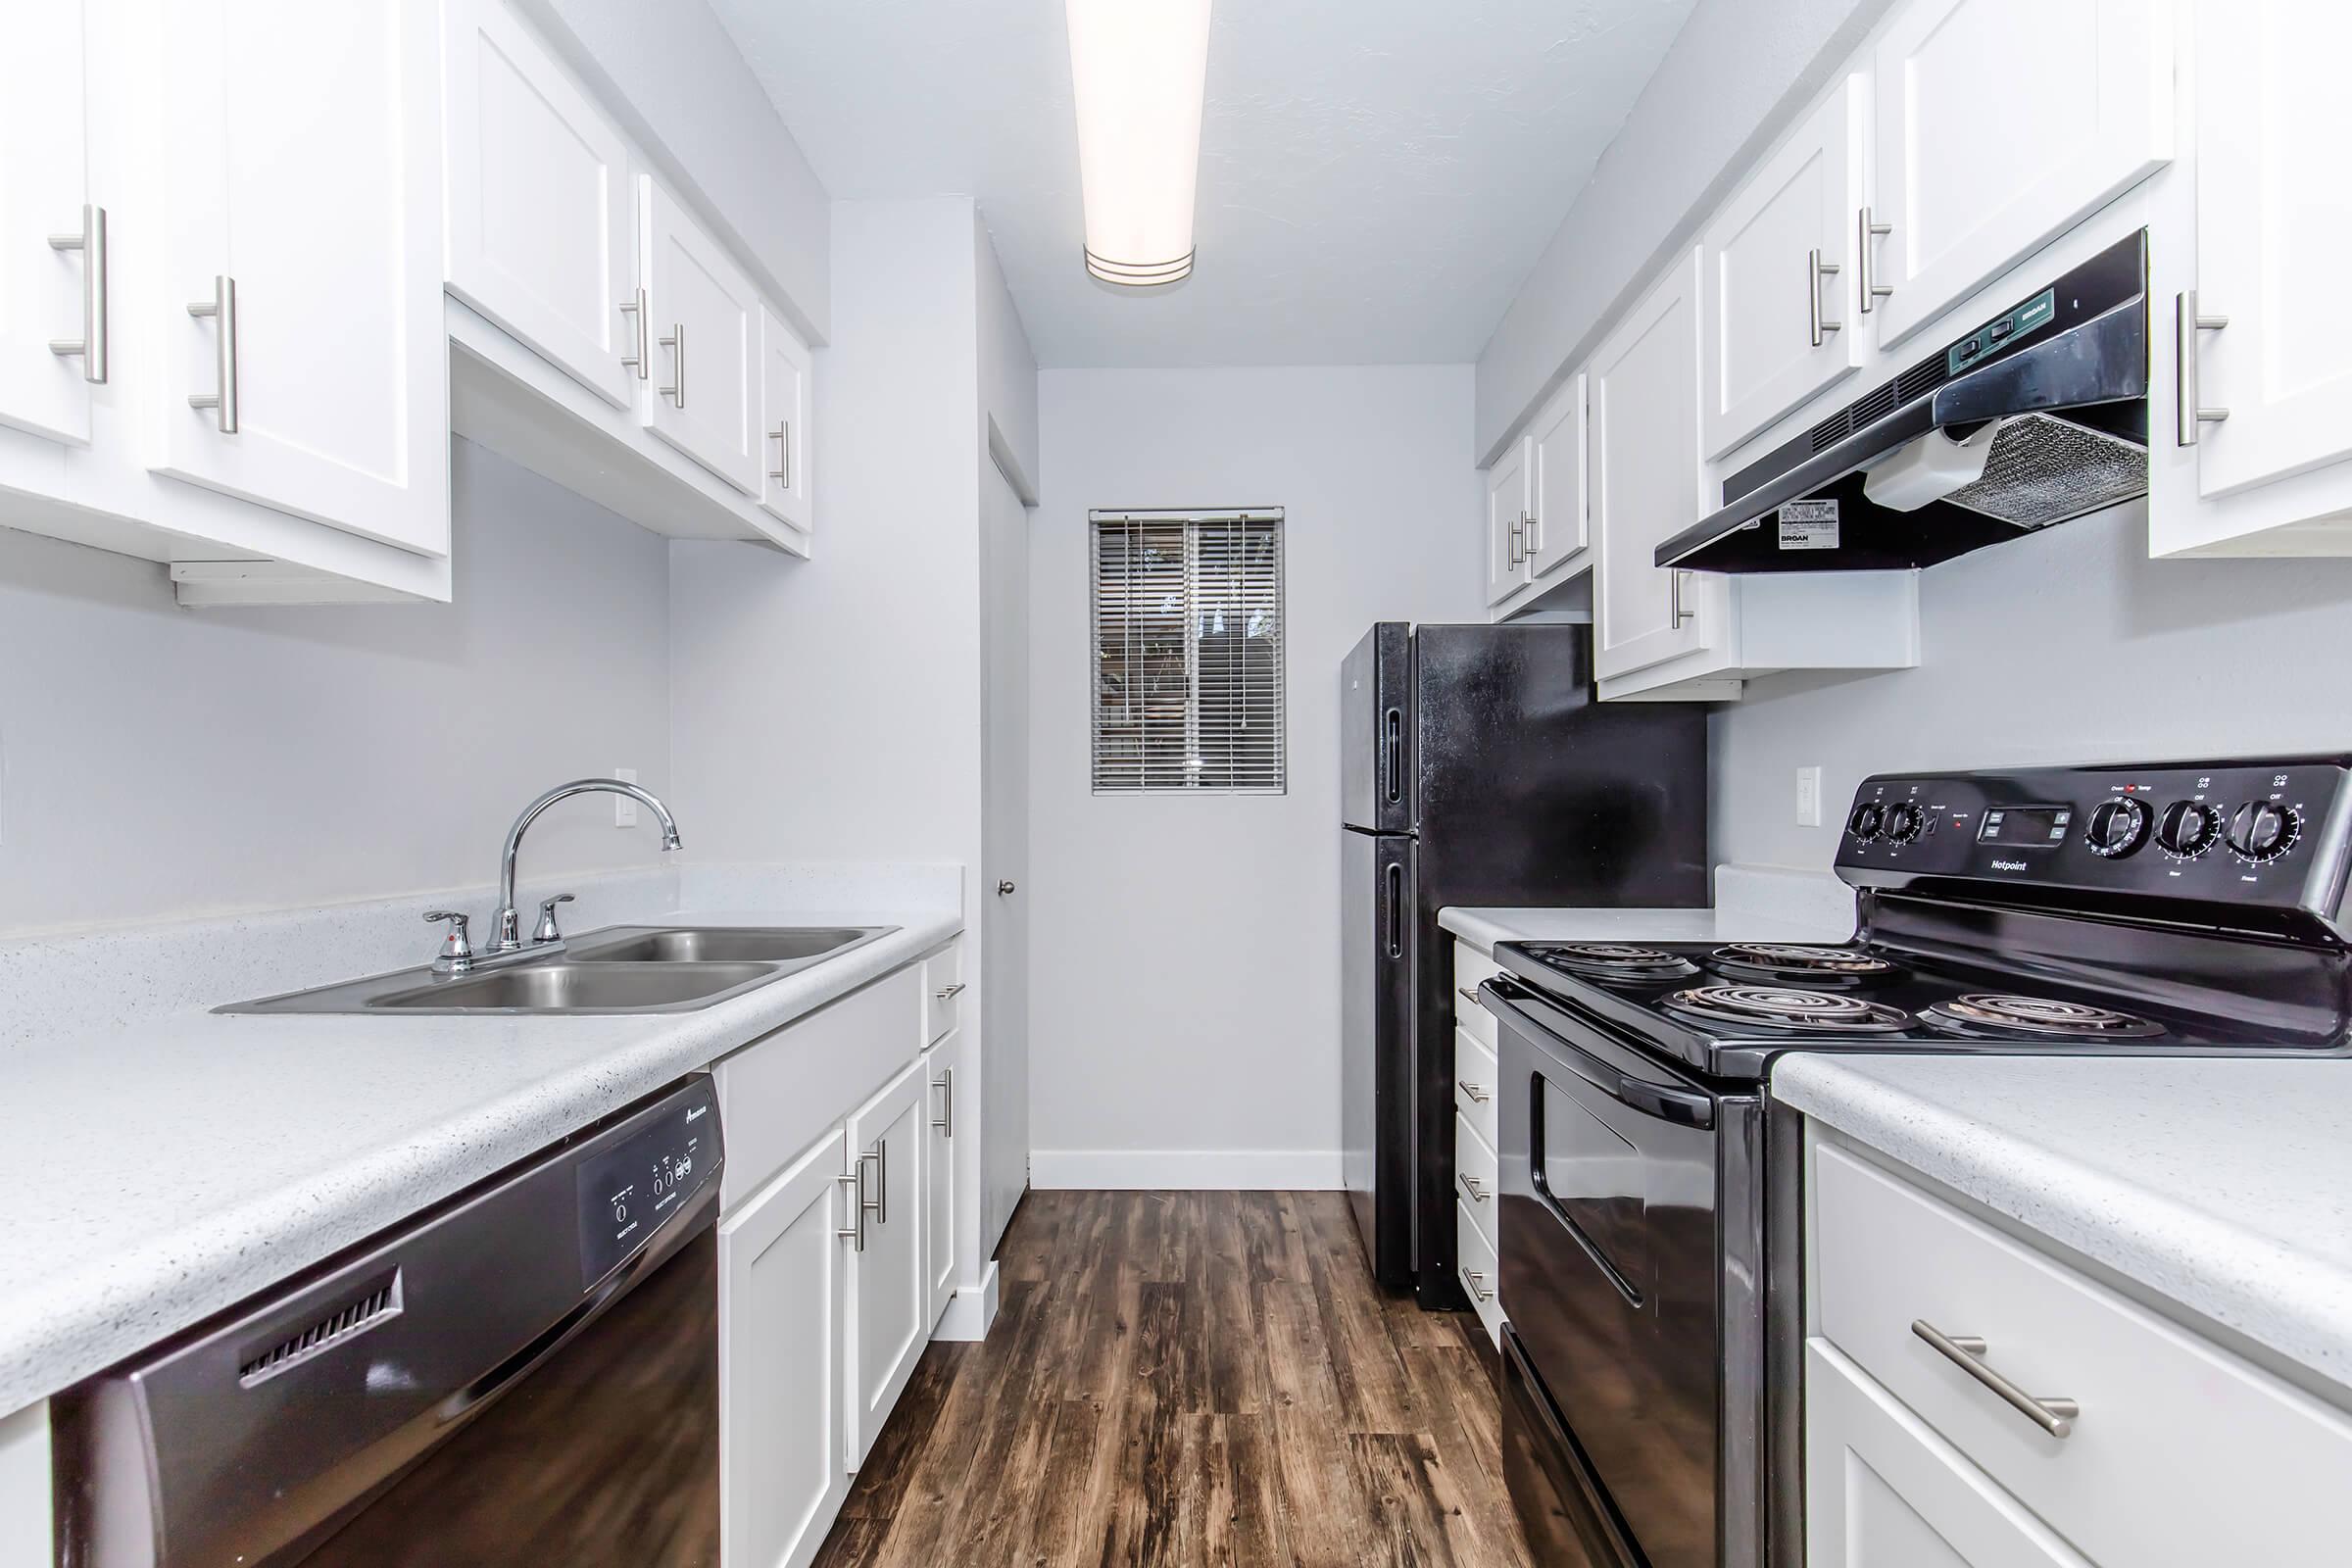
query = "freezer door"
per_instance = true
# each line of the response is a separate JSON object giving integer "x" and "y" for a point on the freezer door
{"x": 1376, "y": 732}
{"x": 1376, "y": 1012}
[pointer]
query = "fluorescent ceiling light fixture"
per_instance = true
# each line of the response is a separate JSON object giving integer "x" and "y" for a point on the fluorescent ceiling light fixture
{"x": 1140, "y": 69}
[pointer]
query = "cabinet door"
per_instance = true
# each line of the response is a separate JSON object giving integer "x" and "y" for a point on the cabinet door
{"x": 784, "y": 401}
{"x": 1778, "y": 319}
{"x": 890, "y": 1294}
{"x": 1507, "y": 502}
{"x": 303, "y": 160}
{"x": 946, "y": 1084}
{"x": 706, "y": 345}
{"x": 43, "y": 185}
{"x": 542, "y": 211}
{"x": 1556, "y": 481}
{"x": 1883, "y": 1491}
{"x": 1643, "y": 444}
{"x": 781, "y": 1346}
{"x": 1999, "y": 124}
{"x": 2273, "y": 222}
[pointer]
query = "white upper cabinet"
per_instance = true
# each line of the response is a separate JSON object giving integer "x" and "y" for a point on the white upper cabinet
{"x": 48, "y": 295}
{"x": 784, "y": 375}
{"x": 1508, "y": 498}
{"x": 1642, "y": 445}
{"x": 1556, "y": 530}
{"x": 1778, "y": 310}
{"x": 705, "y": 346}
{"x": 542, "y": 204}
{"x": 301, "y": 156}
{"x": 1999, "y": 124}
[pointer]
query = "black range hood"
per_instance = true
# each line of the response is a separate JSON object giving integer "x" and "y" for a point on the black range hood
{"x": 2034, "y": 417}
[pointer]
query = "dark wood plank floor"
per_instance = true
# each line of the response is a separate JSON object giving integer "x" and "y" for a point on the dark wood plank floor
{"x": 1183, "y": 1379}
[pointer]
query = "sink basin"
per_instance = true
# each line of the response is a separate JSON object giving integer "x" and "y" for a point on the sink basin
{"x": 620, "y": 969}
{"x": 581, "y": 988}
{"x": 718, "y": 944}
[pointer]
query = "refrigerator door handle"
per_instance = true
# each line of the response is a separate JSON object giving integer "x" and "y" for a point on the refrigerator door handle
{"x": 1395, "y": 747}
{"x": 1393, "y": 914}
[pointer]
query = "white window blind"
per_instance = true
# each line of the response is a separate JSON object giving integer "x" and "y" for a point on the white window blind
{"x": 1188, "y": 639}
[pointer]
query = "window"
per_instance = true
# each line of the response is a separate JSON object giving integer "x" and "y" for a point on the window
{"x": 1188, "y": 650}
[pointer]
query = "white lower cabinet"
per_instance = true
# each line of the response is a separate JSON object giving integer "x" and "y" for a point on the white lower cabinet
{"x": 940, "y": 1065}
{"x": 888, "y": 1296}
{"x": 783, "y": 1277}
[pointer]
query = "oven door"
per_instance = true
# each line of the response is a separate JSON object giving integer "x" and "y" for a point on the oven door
{"x": 1610, "y": 1261}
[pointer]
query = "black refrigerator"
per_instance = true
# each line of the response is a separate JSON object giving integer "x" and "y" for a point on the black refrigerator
{"x": 1478, "y": 768}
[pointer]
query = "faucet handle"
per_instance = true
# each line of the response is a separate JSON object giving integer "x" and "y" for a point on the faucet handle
{"x": 456, "y": 953}
{"x": 546, "y": 931}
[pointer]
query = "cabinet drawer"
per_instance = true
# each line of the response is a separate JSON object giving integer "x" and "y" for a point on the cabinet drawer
{"x": 778, "y": 1094}
{"x": 943, "y": 993}
{"x": 1474, "y": 1078}
{"x": 1474, "y": 1175}
{"x": 2181, "y": 1456}
{"x": 1471, "y": 967}
{"x": 1474, "y": 1258}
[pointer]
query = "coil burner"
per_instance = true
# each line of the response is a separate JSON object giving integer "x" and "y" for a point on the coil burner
{"x": 1801, "y": 963}
{"x": 1784, "y": 1007}
{"x": 1614, "y": 960}
{"x": 1985, "y": 1015}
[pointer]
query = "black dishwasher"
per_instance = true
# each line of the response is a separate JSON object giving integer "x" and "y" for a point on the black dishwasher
{"x": 526, "y": 1374}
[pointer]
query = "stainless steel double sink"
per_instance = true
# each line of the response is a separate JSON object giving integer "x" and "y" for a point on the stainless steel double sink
{"x": 620, "y": 969}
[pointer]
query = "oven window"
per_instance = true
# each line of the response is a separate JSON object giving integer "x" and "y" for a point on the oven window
{"x": 1595, "y": 1177}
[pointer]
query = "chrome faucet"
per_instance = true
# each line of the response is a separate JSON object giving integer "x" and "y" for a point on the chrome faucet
{"x": 509, "y": 936}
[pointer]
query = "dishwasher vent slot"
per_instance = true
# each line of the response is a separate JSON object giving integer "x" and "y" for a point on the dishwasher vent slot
{"x": 375, "y": 1304}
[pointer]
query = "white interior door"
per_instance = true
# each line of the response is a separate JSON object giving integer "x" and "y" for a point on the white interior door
{"x": 889, "y": 1299}
{"x": 1507, "y": 500}
{"x": 704, "y": 345}
{"x": 1556, "y": 510}
{"x": 303, "y": 150}
{"x": 782, "y": 1476}
{"x": 44, "y": 291}
{"x": 1777, "y": 318}
{"x": 1999, "y": 124}
{"x": 784, "y": 400}
{"x": 2274, "y": 223}
{"x": 542, "y": 212}
{"x": 1003, "y": 859}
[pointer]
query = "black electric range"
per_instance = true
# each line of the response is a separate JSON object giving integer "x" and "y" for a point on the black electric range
{"x": 1650, "y": 1248}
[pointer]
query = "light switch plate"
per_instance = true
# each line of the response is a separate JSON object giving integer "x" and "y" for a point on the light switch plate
{"x": 1808, "y": 797}
{"x": 625, "y": 810}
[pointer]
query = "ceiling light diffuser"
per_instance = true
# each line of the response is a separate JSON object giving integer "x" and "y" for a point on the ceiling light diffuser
{"x": 1140, "y": 69}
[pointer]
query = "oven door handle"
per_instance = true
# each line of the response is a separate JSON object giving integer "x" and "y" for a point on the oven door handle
{"x": 1685, "y": 1108}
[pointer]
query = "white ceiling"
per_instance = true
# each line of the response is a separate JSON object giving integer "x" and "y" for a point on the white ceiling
{"x": 1377, "y": 176}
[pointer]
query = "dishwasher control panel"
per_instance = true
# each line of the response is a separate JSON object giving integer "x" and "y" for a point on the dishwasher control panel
{"x": 628, "y": 1192}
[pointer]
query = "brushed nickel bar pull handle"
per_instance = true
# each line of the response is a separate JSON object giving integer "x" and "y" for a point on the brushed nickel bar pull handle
{"x": 1535, "y": 533}
{"x": 1815, "y": 271}
{"x": 782, "y": 435}
{"x": 879, "y": 1203}
{"x": 222, "y": 305}
{"x": 91, "y": 345}
{"x": 1477, "y": 1092}
{"x": 1866, "y": 232}
{"x": 1467, "y": 993}
{"x": 1674, "y": 599}
{"x": 1476, "y": 1278}
{"x": 1518, "y": 546}
{"x": 677, "y": 343}
{"x": 950, "y": 991}
{"x": 945, "y": 1083}
{"x": 2053, "y": 1415}
{"x": 2188, "y": 414}
{"x": 634, "y": 309}
{"x": 856, "y": 1231}
{"x": 1472, "y": 1186}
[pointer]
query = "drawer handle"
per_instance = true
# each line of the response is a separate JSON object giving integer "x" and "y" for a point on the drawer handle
{"x": 1468, "y": 994}
{"x": 2055, "y": 1416}
{"x": 948, "y": 993}
{"x": 1476, "y": 1278}
{"x": 1477, "y": 1094}
{"x": 1470, "y": 1184}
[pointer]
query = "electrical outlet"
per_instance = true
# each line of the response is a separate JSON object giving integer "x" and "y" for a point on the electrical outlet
{"x": 1808, "y": 797}
{"x": 625, "y": 810}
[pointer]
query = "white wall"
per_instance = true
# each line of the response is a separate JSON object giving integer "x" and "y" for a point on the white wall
{"x": 1185, "y": 1015}
{"x": 1008, "y": 369}
{"x": 159, "y": 762}
{"x": 2066, "y": 647}
{"x": 1736, "y": 78}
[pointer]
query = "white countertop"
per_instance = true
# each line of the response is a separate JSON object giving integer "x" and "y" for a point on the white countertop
{"x": 173, "y": 1165}
{"x": 1752, "y": 904}
{"x": 2223, "y": 1185}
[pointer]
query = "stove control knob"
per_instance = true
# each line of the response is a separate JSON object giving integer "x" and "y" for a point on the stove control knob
{"x": 2188, "y": 829}
{"x": 2118, "y": 827}
{"x": 1903, "y": 822}
{"x": 1864, "y": 823}
{"x": 2264, "y": 830}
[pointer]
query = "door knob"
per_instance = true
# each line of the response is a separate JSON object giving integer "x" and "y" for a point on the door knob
{"x": 1003, "y": 888}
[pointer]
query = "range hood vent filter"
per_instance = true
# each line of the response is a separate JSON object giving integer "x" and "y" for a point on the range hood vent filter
{"x": 2044, "y": 470}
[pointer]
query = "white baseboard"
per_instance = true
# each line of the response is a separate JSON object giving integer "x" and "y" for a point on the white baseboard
{"x": 1186, "y": 1169}
{"x": 971, "y": 1310}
